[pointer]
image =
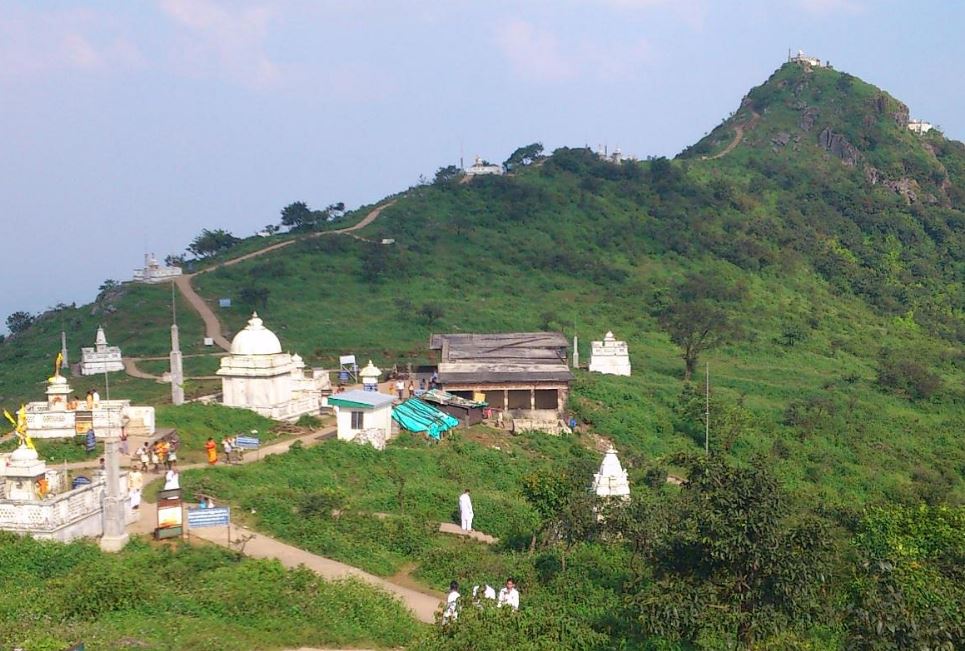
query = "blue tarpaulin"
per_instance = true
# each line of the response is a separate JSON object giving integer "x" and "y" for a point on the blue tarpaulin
{"x": 418, "y": 416}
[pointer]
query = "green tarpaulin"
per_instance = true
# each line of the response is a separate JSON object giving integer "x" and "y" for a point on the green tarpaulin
{"x": 417, "y": 416}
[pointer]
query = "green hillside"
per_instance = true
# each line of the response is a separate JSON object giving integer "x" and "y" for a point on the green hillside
{"x": 819, "y": 237}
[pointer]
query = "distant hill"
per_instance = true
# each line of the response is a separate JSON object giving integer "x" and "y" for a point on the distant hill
{"x": 843, "y": 230}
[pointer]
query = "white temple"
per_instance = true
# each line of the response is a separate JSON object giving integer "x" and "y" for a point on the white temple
{"x": 101, "y": 358}
{"x": 483, "y": 168}
{"x": 257, "y": 375}
{"x": 611, "y": 480}
{"x": 609, "y": 356}
{"x": 60, "y": 416}
{"x": 153, "y": 272}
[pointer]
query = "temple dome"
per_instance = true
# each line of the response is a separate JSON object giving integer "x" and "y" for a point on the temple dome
{"x": 23, "y": 453}
{"x": 255, "y": 339}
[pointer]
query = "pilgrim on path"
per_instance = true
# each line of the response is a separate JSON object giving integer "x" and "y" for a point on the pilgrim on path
{"x": 135, "y": 482}
{"x": 465, "y": 511}
{"x": 451, "y": 613}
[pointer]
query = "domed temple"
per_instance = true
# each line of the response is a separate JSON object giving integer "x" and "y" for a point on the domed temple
{"x": 257, "y": 375}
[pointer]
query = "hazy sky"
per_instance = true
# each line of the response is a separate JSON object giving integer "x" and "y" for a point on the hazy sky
{"x": 127, "y": 127}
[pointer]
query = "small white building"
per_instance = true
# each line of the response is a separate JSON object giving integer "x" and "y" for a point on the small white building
{"x": 804, "y": 59}
{"x": 257, "y": 375}
{"x": 482, "y": 168}
{"x": 61, "y": 416}
{"x": 153, "y": 272}
{"x": 609, "y": 356}
{"x": 101, "y": 358}
{"x": 363, "y": 414}
{"x": 611, "y": 480}
{"x": 920, "y": 126}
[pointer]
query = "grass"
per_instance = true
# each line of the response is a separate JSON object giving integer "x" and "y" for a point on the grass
{"x": 178, "y": 597}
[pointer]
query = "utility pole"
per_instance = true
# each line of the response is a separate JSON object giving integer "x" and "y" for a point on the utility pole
{"x": 707, "y": 411}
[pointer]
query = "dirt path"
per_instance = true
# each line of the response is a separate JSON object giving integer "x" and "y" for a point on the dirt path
{"x": 212, "y": 326}
{"x": 132, "y": 369}
{"x": 738, "y": 137}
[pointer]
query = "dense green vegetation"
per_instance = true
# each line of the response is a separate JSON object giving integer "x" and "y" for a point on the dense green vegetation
{"x": 817, "y": 268}
{"x": 180, "y": 597}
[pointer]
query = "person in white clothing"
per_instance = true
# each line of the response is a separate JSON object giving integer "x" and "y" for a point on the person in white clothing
{"x": 509, "y": 596}
{"x": 465, "y": 511}
{"x": 135, "y": 482}
{"x": 451, "y": 613}
{"x": 172, "y": 479}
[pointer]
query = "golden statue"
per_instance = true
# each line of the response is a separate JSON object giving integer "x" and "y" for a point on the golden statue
{"x": 20, "y": 426}
{"x": 57, "y": 362}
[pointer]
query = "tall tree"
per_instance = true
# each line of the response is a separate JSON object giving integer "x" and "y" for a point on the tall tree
{"x": 19, "y": 321}
{"x": 210, "y": 242}
{"x": 524, "y": 156}
{"x": 698, "y": 318}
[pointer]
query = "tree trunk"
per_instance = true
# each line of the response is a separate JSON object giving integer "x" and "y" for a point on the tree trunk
{"x": 690, "y": 365}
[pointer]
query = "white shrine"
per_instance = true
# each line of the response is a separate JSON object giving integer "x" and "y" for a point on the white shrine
{"x": 484, "y": 168}
{"x": 64, "y": 416}
{"x": 257, "y": 375}
{"x": 611, "y": 480}
{"x": 609, "y": 356}
{"x": 153, "y": 272}
{"x": 101, "y": 358}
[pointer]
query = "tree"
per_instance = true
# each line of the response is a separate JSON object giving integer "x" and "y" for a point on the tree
{"x": 335, "y": 211}
{"x": 730, "y": 562}
{"x": 210, "y": 243}
{"x": 697, "y": 317}
{"x": 19, "y": 321}
{"x": 447, "y": 175}
{"x": 107, "y": 287}
{"x": 524, "y": 156}
{"x": 254, "y": 297}
{"x": 297, "y": 216}
{"x": 431, "y": 312}
{"x": 172, "y": 260}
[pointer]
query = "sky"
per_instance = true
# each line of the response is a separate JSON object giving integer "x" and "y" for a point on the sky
{"x": 128, "y": 127}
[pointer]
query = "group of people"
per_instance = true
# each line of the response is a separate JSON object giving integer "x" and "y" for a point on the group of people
{"x": 229, "y": 445}
{"x": 163, "y": 452}
{"x": 407, "y": 390}
{"x": 508, "y": 596}
{"x": 92, "y": 400}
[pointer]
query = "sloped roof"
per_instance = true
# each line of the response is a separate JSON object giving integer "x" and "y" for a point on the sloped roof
{"x": 359, "y": 398}
{"x": 502, "y": 357}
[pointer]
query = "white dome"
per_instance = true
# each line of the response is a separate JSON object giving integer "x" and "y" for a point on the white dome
{"x": 255, "y": 339}
{"x": 23, "y": 453}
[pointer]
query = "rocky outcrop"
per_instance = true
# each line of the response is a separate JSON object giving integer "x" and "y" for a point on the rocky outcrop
{"x": 899, "y": 112}
{"x": 808, "y": 116}
{"x": 872, "y": 175}
{"x": 781, "y": 139}
{"x": 839, "y": 146}
{"x": 905, "y": 187}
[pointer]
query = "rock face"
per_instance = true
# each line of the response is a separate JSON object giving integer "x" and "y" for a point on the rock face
{"x": 838, "y": 145}
{"x": 807, "y": 119}
{"x": 781, "y": 139}
{"x": 907, "y": 188}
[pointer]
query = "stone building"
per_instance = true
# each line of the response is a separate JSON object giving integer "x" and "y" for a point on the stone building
{"x": 611, "y": 480}
{"x": 257, "y": 375}
{"x": 523, "y": 375}
{"x": 101, "y": 358}
{"x": 610, "y": 357}
{"x": 920, "y": 126}
{"x": 483, "y": 168}
{"x": 804, "y": 59}
{"x": 363, "y": 416}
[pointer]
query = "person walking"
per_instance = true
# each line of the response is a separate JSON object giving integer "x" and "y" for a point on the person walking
{"x": 172, "y": 479}
{"x": 451, "y": 612}
{"x": 226, "y": 446}
{"x": 212, "y": 449}
{"x": 465, "y": 511}
{"x": 400, "y": 387}
{"x": 509, "y": 595}
{"x": 144, "y": 456}
{"x": 410, "y": 389}
{"x": 135, "y": 482}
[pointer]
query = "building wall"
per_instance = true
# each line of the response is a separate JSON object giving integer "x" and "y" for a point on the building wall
{"x": 522, "y": 397}
{"x": 378, "y": 418}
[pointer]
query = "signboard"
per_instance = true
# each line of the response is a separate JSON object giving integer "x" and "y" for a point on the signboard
{"x": 247, "y": 442}
{"x": 346, "y": 360}
{"x": 209, "y": 341}
{"x": 169, "y": 514}
{"x": 224, "y": 302}
{"x": 90, "y": 441}
{"x": 83, "y": 421}
{"x": 216, "y": 517}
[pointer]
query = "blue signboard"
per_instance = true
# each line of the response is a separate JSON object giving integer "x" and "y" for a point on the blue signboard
{"x": 247, "y": 442}
{"x": 224, "y": 302}
{"x": 216, "y": 517}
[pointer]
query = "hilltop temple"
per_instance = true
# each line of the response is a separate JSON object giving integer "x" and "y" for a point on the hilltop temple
{"x": 257, "y": 375}
{"x": 101, "y": 358}
{"x": 153, "y": 272}
{"x": 610, "y": 357}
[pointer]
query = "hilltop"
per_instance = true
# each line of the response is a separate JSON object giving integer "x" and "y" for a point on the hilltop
{"x": 812, "y": 233}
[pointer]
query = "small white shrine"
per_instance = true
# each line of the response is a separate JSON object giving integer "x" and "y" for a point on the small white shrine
{"x": 63, "y": 415}
{"x": 370, "y": 377}
{"x": 101, "y": 358}
{"x": 920, "y": 126}
{"x": 363, "y": 416}
{"x": 611, "y": 480}
{"x": 483, "y": 168}
{"x": 257, "y": 375}
{"x": 154, "y": 272}
{"x": 38, "y": 502}
{"x": 609, "y": 356}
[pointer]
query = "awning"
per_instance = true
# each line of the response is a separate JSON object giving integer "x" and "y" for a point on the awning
{"x": 418, "y": 416}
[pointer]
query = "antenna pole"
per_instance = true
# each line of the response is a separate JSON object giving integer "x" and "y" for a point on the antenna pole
{"x": 707, "y": 411}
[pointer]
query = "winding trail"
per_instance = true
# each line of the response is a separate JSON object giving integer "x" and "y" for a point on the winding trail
{"x": 739, "y": 131}
{"x": 212, "y": 326}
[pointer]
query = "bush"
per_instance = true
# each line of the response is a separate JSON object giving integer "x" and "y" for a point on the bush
{"x": 907, "y": 377}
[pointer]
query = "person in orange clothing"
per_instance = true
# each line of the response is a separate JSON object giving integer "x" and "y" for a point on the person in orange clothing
{"x": 212, "y": 449}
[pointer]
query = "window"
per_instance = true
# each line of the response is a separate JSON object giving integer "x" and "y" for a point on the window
{"x": 358, "y": 418}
